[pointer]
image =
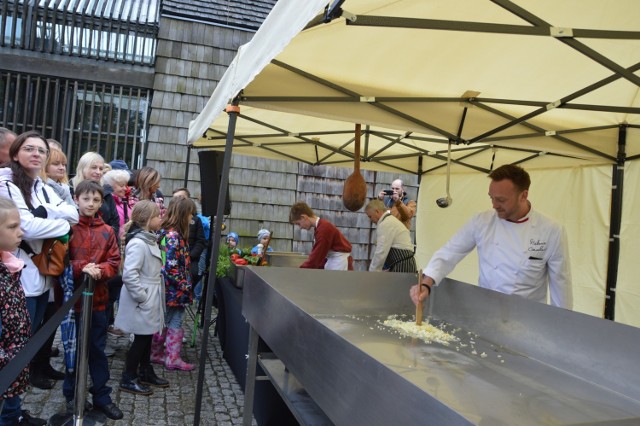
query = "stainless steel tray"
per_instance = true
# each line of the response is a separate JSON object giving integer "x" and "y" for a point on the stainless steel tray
{"x": 517, "y": 362}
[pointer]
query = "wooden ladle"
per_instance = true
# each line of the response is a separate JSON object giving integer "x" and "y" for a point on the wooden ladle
{"x": 355, "y": 188}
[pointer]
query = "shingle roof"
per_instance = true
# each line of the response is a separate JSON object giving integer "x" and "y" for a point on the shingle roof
{"x": 236, "y": 13}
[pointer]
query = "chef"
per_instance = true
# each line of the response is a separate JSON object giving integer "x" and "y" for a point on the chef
{"x": 520, "y": 251}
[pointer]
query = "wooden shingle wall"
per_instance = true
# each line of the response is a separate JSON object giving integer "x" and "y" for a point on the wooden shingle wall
{"x": 191, "y": 59}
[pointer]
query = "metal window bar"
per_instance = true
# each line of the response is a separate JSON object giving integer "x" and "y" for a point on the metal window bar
{"x": 83, "y": 116}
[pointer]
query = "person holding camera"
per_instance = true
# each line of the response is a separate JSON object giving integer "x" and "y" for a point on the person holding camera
{"x": 396, "y": 200}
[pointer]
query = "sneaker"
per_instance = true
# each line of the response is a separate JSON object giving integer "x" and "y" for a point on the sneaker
{"x": 115, "y": 332}
{"x": 110, "y": 410}
{"x": 26, "y": 419}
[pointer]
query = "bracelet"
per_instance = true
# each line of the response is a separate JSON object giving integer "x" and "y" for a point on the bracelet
{"x": 427, "y": 286}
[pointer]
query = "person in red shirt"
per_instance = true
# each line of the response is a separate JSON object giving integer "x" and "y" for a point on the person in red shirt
{"x": 331, "y": 250}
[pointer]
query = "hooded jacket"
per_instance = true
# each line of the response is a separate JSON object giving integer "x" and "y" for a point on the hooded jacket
{"x": 141, "y": 307}
{"x": 93, "y": 241}
{"x": 59, "y": 217}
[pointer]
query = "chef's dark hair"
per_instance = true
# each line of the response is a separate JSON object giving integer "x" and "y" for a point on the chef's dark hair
{"x": 515, "y": 174}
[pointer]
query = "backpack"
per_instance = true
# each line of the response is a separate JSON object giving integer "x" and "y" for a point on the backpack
{"x": 206, "y": 225}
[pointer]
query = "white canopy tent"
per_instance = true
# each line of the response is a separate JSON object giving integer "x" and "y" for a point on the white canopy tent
{"x": 551, "y": 84}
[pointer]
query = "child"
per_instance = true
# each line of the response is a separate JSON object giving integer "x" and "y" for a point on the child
{"x": 93, "y": 249}
{"x": 232, "y": 242}
{"x": 264, "y": 237}
{"x": 141, "y": 306}
{"x": 177, "y": 280}
{"x": 15, "y": 326}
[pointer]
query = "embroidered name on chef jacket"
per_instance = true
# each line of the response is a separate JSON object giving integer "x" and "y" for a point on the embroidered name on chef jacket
{"x": 537, "y": 249}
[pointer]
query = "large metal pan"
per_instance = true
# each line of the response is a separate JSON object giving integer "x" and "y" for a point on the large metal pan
{"x": 517, "y": 362}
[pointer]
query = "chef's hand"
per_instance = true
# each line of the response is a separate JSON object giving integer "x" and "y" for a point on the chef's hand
{"x": 420, "y": 292}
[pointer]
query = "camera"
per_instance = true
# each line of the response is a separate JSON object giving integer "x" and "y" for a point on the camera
{"x": 388, "y": 192}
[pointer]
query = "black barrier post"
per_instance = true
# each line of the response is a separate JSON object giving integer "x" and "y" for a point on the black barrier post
{"x": 233, "y": 111}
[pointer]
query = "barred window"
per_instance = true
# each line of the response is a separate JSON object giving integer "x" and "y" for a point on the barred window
{"x": 82, "y": 116}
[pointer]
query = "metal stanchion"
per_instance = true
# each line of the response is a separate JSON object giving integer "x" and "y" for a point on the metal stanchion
{"x": 83, "y": 352}
{"x": 78, "y": 416}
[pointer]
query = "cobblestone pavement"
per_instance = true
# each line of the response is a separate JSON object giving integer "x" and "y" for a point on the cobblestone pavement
{"x": 223, "y": 400}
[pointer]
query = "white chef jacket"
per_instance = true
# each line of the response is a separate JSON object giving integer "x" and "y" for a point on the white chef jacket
{"x": 522, "y": 258}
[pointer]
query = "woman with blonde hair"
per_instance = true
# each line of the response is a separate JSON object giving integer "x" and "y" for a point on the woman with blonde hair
{"x": 91, "y": 167}
{"x": 55, "y": 175}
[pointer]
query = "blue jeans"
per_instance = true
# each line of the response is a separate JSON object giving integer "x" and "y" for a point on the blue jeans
{"x": 11, "y": 410}
{"x": 202, "y": 262}
{"x": 197, "y": 290}
{"x": 36, "y": 306}
{"x": 173, "y": 317}
{"x": 98, "y": 363}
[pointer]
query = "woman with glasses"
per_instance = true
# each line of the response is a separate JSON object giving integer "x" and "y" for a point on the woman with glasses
{"x": 42, "y": 214}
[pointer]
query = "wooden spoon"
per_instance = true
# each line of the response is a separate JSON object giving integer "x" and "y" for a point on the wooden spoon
{"x": 355, "y": 188}
{"x": 419, "y": 305}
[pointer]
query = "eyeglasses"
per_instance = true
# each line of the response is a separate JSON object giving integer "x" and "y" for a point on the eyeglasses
{"x": 30, "y": 149}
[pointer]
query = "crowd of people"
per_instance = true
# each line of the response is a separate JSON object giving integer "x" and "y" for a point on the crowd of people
{"x": 140, "y": 253}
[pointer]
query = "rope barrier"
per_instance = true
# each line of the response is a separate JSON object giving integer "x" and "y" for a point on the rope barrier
{"x": 22, "y": 358}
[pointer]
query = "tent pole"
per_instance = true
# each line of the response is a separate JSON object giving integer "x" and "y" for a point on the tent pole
{"x": 615, "y": 222}
{"x": 186, "y": 169}
{"x": 233, "y": 110}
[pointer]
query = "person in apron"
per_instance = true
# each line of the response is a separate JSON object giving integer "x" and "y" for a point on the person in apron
{"x": 394, "y": 250}
{"x": 330, "y": 250}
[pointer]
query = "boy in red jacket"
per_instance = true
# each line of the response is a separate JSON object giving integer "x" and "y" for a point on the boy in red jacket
{"x": 93, "y": 249}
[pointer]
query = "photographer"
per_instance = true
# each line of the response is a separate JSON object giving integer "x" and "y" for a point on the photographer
{"x": 401, "y": 207}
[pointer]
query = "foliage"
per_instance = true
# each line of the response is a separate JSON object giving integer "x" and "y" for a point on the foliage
{"x": 224, "y": 259}
{"x": 224, "y": 262}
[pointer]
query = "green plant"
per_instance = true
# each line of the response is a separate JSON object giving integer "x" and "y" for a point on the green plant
{"x": 224, "y": 262}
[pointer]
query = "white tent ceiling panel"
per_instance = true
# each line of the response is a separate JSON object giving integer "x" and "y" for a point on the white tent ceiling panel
{"x": 412, "y": 69}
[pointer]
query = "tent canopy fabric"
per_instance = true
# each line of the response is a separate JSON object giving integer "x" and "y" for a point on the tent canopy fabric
{"x": 548, "y": 83}
{"x": 552, "y": 84}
